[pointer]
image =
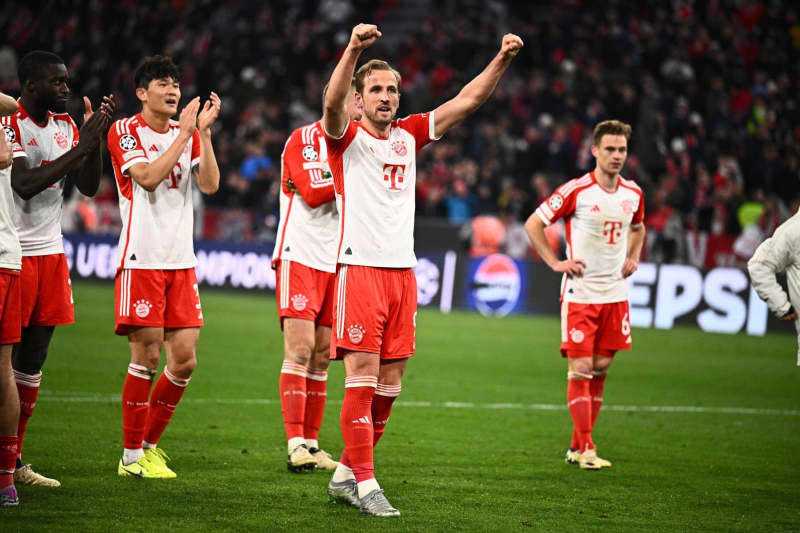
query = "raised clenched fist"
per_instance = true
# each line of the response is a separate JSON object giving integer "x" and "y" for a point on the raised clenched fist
{"x": 511, "y": 44}
{"x": 363, "y": 36}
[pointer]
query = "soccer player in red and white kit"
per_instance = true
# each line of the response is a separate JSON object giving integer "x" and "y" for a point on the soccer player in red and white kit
{"x": 47, "y": 148}
{"x": 604, "y": 215}
{"x": 10, "y": 316}
{"x": 374, "y": 170}
{"x": 157, "y": 301}
{"x": 305, "y": 260}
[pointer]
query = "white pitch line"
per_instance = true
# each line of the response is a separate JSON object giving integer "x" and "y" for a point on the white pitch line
{"x": 64, "y": 398}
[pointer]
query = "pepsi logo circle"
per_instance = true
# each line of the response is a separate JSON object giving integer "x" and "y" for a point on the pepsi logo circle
{"x": 496, "y": 285}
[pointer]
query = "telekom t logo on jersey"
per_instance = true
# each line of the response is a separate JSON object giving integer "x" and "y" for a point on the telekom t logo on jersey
{"x": 611, "y": 230}
{"x": 393, "y": 174}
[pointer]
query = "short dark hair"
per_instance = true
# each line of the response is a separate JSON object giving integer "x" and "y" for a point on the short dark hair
{"x": 154, "y": 68}
{"x": 611, "y": 127}
{"x": 31, "y": 64}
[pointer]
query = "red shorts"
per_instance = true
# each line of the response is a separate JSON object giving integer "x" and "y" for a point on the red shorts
{"x": 46, "y": 291}
{"x": 304, "y": 292}
{"x": 375, "y": 312}
{"x": 156, "y": 298}
{"x": 10, "y": 306}
{"x": 589, "y": 329}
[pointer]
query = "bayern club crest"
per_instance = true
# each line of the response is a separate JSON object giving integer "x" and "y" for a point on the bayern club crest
{"x": 399, "y": 148}
{"x": 356, "y": 333}
{"x": 61, "y": 140}
{"x": 576, "y": 335}
{"x": 627, "y": 206}
{"x": 299, "y": 302}
{"x": 142, "y": 308}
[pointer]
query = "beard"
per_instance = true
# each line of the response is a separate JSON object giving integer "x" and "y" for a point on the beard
{"x": 57, "y": 106}
{"x": 375, "y": 119}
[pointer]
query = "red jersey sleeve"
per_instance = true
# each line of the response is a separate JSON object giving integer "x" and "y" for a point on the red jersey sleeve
{"x": 309, "y": 175}
{"x": 195, "y": 149}
{"x": 638, "y": 216}
{"x": 421, "y": 126}
{"x": 11, "y": 129}
{"x": 560, "y": 204}
{"x": 124, "y": 146}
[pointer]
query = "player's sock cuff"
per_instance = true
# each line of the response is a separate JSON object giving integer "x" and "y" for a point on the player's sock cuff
{"x": 599, "y": 373}
{"x": 140, "y": 371}
{"x": 289, "y": 367}
{"x": 317, "y": 375}
{"x": 361, "y": 381}
{"x": 578, "y": 376}
{"x": 392, "y": 391}
{"x": 175, "y": 380}
{"x": 28, "y": 380}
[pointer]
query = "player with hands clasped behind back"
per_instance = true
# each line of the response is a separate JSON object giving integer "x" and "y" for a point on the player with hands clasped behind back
{"x": 604, "y": 215}
{"x": 157, "y": 302}
{"x": 48, "y": 148}
{"x": 374, "y": 172}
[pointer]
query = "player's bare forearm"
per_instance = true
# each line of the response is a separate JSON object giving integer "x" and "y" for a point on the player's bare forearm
{"x": 477, "y": 91}
{"x": 636, "y": 236}
{"x": 150, "y": 175}
{"x": 88, "y": 177}
{"x": 28, "y": 182}
{"x": 334, "y": 117}
{"x": 535, "y": 229}
{"x": 8, "y": 106}
{"x": 208, "y": 171}
{"x": 6, "y": 153}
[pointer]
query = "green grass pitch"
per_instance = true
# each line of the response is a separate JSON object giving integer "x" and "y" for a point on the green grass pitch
{"x": 475, "y": 442}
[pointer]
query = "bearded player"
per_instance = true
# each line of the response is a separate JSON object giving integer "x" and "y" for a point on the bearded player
{"x": 604, "y": 215}
{"x": 374, "y": 170}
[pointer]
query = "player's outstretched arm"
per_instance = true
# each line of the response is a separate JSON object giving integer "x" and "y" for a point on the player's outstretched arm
{"x": 207, "y": 174}
{"x": 636, "y": 236}
{"x": 534, "y": 226}
{"x": 8, "y": 106}
{"x": 150, "y": 175}
{"x": 476, "y": 92}
{"x": 334, "y": 116}
{"x": 87, "y": 177}
{"x": 28, "y": 182}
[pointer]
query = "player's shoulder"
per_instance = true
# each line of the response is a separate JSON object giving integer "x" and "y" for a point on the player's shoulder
{"x": 125, "y": 125}
{"x": 630, "y": 184}
{"x": 575, "y": 184}
{"x": 408, "y": 120}
{"x": 307, "y": 134}
{"x": 62, "y": 117}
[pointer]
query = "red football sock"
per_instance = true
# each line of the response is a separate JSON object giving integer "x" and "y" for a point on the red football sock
{"x": 596, "y": 386}
{"x": 134, "y": 405}
{"x": 580, "y": 407}
{"x": 167, "y": 393}
{"x": 357, "y": 431}
{"x": 293, "y": 398}
{"x": 385, "y": 395}
{"x": 28, "y": 389}
{"x": 8, "y": 459}
{"x": 317, "y": 392}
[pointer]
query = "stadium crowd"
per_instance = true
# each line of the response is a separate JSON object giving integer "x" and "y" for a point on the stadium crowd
{"x": 709, "y": 87}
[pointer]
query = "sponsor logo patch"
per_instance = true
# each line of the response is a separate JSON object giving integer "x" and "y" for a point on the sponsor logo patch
{"x": 142, "y": 308}
{"x": 356, "y": 333}
{"x": 299, "y": 302}
{"x": 555, "y": 202}
{"x": 309, "y": 153}
{"x": 10, "y": 135}
{"x": 128, "y": 142}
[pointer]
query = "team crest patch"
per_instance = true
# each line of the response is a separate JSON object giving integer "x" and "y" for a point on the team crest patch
{"x": 299, "y": 302}
{"x": 627, "y": 206}
{"x": 356, "y": 333}
{"x": 399, "y": 148}
{"x": 555, "y": 202}
{"x": 142, "y": 308}
{"x": 576, "y": 335}
{"x": 309, "y": 153}
{"x": 10, "y": 135}
{"x": 127, "y": 142}
{"x": 61, "y": 140}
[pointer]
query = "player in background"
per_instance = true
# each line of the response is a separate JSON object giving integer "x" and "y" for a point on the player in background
{"x": 305, "y": 260}
{"x": 47, "y": 148}
{"x": 157, "y": 301}
{"x": 779, "y": 253}
{"x": 604, "y": 215}
{"x": 374, "y": 170}
{"x": 10, "y": 317}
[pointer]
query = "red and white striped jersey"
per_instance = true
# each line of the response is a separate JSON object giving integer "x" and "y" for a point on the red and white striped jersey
{"x": 309, "y": 225}
{"x": 157, "y": 227}
{"x": 597, "y": 224}
{"x": 38, "y": 220}
{"x": 375, "y": 183}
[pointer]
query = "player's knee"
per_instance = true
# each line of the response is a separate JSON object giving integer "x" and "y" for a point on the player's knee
{"x": 183, "y": 369}
{"x": 300, "y": 353}
{"x": 579, "y": 369}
